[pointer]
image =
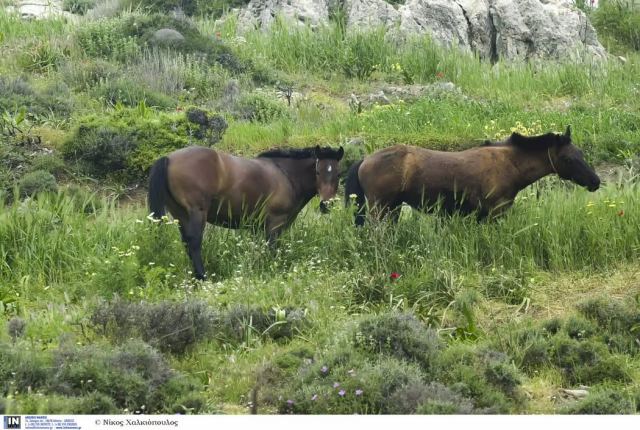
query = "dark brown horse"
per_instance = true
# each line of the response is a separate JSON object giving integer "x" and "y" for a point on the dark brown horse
{"x": 484, "y": 179}
{"x": 199, "y": 184}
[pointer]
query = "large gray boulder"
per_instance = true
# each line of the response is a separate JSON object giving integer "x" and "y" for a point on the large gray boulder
{"x": 262, "y": 13}
{"x": 494, "y": 29}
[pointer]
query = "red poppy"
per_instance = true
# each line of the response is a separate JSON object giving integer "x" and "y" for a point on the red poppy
{"x": 395, "y": 275}
{"x": 621, "y": 213}
{"x": 440, "y": 75}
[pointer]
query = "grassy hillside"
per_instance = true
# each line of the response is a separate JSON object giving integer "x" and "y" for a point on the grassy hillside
{"x": 429, "y": 316}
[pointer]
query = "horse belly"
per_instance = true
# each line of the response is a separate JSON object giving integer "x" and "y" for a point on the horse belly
{"x": 446, "y": 201}
{"x": 230, "y": 214}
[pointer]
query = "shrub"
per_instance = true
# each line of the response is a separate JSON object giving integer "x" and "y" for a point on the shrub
{"x": 259, "y": 108}
{"x": 211, "y": 127}
{"x": 134, "y": 376}
{"x": 170, "y": 326}
{"x": 40, "y": 57}
{"x": 432, "y": 398}
{"x": 485, "y": 377}
{"x": 22, "y": 369}
{"x": 38, "y": 181}
{"x": 107, "y": 39}
{"x": 610, "y": 314}
{"x": 79, "y": 7}
{"x": 350, "y": 385}
{"x": 126, "y": 143}
{"x": 48, "y": 163}
{"x": 579, "y": 328}
{"x": 16, "y": 327}
{"x": 398, "y": 335}
{"x": 608, "y": 369}
{"x": 18, "y": 92}
{"x": 606, "y": 402}
{"x": 619, "y": 20}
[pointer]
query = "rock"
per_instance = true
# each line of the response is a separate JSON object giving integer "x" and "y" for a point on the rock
{"x": 167, "y": 36}
{"x": 379, "y": 98}
{"x": 494, "y": 29}
{"x": 356, "y": 141}
{"x": 40, "y": 9}
{"x": 528, "y": 29}
{"x": 370, "y": 14}
{"x": 444, "y": 20}
{"x": 577, "y": 394}
{"x": 262, "y": 13}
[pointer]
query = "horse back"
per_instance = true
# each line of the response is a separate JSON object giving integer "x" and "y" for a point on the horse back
{"x": 226, "y": 186}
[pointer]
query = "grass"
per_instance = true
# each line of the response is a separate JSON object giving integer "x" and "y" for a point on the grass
{"x": 65, "y": 255}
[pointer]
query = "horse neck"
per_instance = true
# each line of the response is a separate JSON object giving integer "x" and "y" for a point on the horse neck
{"x": 530, "y": 166}
{"x": 302, "y": 176}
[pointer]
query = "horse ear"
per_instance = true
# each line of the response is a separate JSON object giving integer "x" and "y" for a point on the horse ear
{"x": 317, "y": 151}
{"x": 340, "y": 153}
{"x": 567, "y": 133}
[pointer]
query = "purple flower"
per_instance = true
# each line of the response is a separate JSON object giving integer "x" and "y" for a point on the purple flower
{"x": 336, "y": 384}
{"x": 314, "y": 397}
{"x": 290, "y": 402}
{"x": 341, "y": 393}
{"x": 359, "y": 392}
{"x": 324, "y": 369}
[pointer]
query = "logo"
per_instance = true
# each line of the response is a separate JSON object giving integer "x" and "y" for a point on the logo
{"x": 12, "y": 422}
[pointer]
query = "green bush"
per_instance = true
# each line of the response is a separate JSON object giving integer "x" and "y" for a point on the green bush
{"x": 398, "y": 335}
{"x": 432, "y": 398}
{"x": 18, "y": 92}
{"x": 620, "y": 21}
{"x": 486, "y": 377}
{"x": 49, "y": 163}
{"x": 351, "y": 384}
{"x": 133, "y": 376}
{"x": 126, "y": 144}
{"x": 38, "y": 181}
{"x": 169, "y": 326}
{"x": 606, "y": 402}
{"x": 260, "y": 108}
{"x": 107, "y": 39}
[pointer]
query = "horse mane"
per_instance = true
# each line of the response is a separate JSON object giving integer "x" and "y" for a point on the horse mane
{"x": 301, "y": 153}
{"x": 530, "y": 143}
{"x": 543, "y": 141}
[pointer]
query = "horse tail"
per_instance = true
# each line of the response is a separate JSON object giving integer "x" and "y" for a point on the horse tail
{"x": 353, "y": 187}
{"x": 158, "y": 187}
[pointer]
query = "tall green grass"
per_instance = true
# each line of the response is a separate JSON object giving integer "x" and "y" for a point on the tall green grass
{"x": 99, "y": 249}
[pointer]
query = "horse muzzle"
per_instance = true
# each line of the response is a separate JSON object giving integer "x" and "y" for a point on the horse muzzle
{"x": 324, "y": 206}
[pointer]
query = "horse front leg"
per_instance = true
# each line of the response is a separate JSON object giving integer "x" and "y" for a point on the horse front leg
{"x": 274, "y": 226}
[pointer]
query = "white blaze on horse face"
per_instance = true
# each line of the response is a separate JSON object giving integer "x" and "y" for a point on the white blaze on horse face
{"x": 329, "y": 169}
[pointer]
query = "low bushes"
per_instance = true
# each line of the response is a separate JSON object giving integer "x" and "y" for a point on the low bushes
{"x": 125, "y": 144}
{"x": 95, "y": 379}
{"x": 391, "y": 363}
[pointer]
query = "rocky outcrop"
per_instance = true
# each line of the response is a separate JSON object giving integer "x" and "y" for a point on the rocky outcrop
{"x": 262, "y": 13}
{"x": 494, "y": 29}
{"x": 38, "y": 9}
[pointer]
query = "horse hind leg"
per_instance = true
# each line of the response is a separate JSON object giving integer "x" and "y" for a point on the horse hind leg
{"x": 192, "y": 231}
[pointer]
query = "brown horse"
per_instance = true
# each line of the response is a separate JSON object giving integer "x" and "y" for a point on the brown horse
{"x": 484, "y": 179}
{"x": 199, "y": 184}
